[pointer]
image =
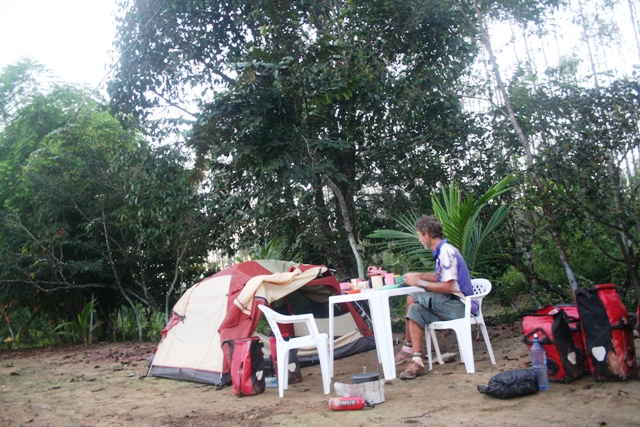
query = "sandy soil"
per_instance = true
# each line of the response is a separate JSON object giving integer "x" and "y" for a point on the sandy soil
{"x": 106, "y": 385}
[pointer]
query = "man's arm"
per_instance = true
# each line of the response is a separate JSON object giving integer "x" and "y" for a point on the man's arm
{"x": 429, "y": 282}
{"x": 412, "y": 278}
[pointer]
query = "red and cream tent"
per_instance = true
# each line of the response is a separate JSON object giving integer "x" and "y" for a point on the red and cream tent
{"x": 225, "y": 307}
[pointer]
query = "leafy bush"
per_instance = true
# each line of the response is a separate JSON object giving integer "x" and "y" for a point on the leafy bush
{"x": 153, "y": 329}
{"x": 82, "y": 328}
{"x": 22, "y": 327}
{"x": 511, "y": 285}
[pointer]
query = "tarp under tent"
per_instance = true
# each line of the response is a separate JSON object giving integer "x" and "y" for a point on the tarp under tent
{"x": 225, "y": 307}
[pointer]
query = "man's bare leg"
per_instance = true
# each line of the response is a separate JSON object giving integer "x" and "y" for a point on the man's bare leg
{"x": 416, "y": 367}
{"x": 406, "y": 352}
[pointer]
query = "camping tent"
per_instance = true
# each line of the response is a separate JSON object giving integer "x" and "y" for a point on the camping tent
{"x": 225, "y": 307}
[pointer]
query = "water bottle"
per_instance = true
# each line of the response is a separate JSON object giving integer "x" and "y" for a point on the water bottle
{"x": 539, "y": 363}
{"x": 271, "y": 382}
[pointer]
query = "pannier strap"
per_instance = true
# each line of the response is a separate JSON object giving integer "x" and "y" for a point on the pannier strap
{"x": 542, "y": 336}
{"x": 624, "y": 323}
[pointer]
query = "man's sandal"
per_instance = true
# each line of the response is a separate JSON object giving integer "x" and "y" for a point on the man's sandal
{"x": 413, "y": 370}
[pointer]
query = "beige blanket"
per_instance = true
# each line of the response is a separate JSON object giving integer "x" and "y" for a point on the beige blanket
{"x": 272, "y": 287}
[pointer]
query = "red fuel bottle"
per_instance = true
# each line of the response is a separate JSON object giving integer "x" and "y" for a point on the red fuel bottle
{"x": 351, "y": 403}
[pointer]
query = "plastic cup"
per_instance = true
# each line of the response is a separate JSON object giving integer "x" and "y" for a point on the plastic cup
{"x": 376, "y": 282}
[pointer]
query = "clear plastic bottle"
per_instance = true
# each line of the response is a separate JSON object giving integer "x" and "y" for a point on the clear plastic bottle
{"x": 271, "y": 382}
{"x": 539, "y": 363}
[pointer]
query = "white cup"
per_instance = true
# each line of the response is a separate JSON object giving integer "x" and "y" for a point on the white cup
{"x": 377, "y": 282}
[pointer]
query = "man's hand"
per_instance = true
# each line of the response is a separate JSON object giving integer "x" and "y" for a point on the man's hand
{"x": 411, "y": 279}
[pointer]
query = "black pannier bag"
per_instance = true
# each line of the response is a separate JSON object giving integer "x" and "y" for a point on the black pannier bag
{"x": 607, "y": 330}
{"x": 559, "y": 334}
{"x": 247, "y": 366}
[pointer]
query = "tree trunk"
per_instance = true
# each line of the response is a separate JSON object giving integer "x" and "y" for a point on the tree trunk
{"x": 344, "y": 211}
{"x": 347, "y": 224}
{"x": 622, "y": 238}
{"x": 634, "y": 25}
{"x": 176, "y": 276}
{"x": 585, "y": 35}
{"x": 116, "y": 277}
{"x": 524, "y": 141}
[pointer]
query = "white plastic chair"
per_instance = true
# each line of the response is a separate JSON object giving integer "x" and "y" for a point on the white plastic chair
{"x": 462, "y": 327}
{"x": 320, "y": 341}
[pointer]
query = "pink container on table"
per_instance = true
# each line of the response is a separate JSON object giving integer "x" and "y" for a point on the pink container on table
{"x": 389, "y": 279}
{"x": 344, "y": 287}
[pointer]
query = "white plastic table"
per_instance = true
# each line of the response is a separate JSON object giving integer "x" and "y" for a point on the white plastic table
{"x": 381, "y": 319}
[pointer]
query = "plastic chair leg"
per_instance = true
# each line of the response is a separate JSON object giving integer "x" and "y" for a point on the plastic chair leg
{"x": 465, "y": 344}
{"x": 427, "y": 335}
{"x": 436, "y": 346}
{"x": 323, "y": 356}
{"x": 485, "y": 334}
{"x": 283, "y": 370}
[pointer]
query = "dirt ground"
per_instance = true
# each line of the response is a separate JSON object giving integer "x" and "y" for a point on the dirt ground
{"x": 106, "y": 385}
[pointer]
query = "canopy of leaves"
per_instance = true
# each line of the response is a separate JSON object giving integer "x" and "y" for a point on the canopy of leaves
{"x": 360, "y": 93}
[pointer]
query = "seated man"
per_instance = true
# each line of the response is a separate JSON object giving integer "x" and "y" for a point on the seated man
{"x": 441, "y": 301}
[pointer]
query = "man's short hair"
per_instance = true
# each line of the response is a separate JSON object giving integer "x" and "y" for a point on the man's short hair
{"x": 429, "y": 224}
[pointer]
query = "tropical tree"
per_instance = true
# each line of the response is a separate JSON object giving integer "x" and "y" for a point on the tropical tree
{"x": 20, "y": 84}
{"x": 477, "y": 14}
{"x": 311, "y": 115}
{"x": 88, "y": 206}
{"x": 586, "y": 156}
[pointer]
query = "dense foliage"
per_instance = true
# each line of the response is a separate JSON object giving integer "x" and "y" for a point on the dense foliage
{"x": 88, "y": 208}
{"x": 303, "y": 128}
{"x": 346, "y": 97}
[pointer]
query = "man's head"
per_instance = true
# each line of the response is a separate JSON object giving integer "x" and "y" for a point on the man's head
{"x": 429, "y": 224}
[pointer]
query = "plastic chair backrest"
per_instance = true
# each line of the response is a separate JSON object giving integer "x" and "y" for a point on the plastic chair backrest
{"x": 273, "y": 317}
{"x": 481, "y": 287}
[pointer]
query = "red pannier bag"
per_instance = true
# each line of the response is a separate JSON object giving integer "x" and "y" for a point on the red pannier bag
{"x": 247, "y": 366}
{"x": 559, "y": 334}
{"x": 607, "y": 332}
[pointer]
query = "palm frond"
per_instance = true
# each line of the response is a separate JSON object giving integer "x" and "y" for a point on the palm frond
{"x": 460, "y": 226}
